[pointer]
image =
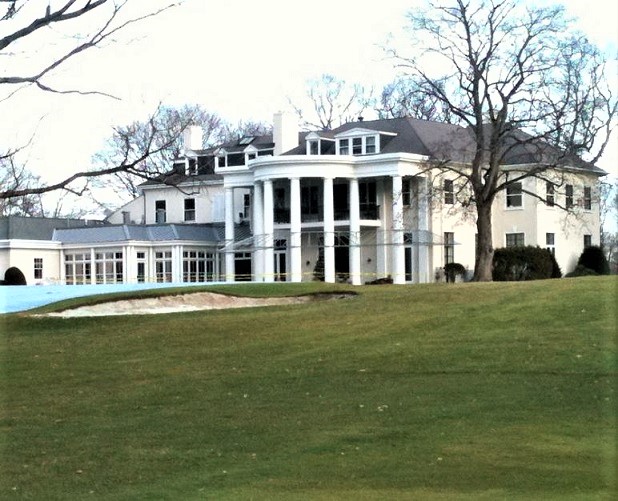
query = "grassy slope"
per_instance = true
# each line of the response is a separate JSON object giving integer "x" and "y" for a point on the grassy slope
{"x": 472, "y": 391}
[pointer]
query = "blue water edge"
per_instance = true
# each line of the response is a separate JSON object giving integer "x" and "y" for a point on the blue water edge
{"x": 25, "y": 297}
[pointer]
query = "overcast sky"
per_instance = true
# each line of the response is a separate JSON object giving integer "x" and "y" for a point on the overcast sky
{"x": 239, "y": 58}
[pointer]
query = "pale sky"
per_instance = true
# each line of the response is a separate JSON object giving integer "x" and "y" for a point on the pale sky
{"x": 238, "y": 58}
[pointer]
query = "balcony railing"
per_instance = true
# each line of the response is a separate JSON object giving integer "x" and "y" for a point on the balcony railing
{"x": 367, "y": 211}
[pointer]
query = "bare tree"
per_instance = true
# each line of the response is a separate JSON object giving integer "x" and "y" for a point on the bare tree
{"x": 334, "y": 102}
{"x": 22, "y": 24}
{"x": 406, "y": 97}
{"x": 523, "y": 81}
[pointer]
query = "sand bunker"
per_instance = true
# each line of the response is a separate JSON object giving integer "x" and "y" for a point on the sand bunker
{"x": 180, "y": 303}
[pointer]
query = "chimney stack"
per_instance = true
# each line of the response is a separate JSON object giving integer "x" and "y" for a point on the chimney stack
{"x": 192, "y": 138}
{"x": 285, "y": 132}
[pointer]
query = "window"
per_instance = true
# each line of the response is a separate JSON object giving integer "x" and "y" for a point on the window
{"x": 368, "y": 200}
{"x": 77, "y": 268}
{"x": 360, "y": 145}
{"x": 309, "y": 202}
{"x": 38, "y": 267}
{"x": 189, "y": 209}
{"x": 160, "y": 211}
{"x": 198, "y": 266}
{"x": 449, "y": 247}
{"x": 515, "y": 240}
{"x": 163, "y": 266}
{"x": 587, "y": 241}
{"x": 191, "y": 166}
{"x": 108, "y": 267}
{"x": 246, "y": 206}
{"x": 141, "y": 266}
{"x": 449, "y": 192}
{"x": 514, "y": 195}
{"x": 587, "y": 198}
{"x": 406, "y": 191}
{"x": 314, "y": 148}
{"x": 370, "y": 144}
{"x": 549, "y": 194}
{"x": 568, "y": 199}
{"x": 221, "y": 161}
{"x": 550, "y": 239}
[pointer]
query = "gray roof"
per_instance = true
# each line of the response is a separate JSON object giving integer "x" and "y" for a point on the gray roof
{"x": 443, "y": 141}
{"x": 213, "y": 233}
{"x": 39, "y": 228}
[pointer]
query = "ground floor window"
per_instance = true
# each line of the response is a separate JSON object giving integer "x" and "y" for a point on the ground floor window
{"x": 77, "y": 268}
{"x": 108, "y": 267}
{"x": 141, "y": 266}
{"x": 449, "y": 247}
{"x": 515, "y": 240}
{"x": 198, "y": 266}
{"x": 163, "y": 266}
{"x": 38, "y": 267}
{"x": 550, "y": 242}
{"x": 587, "y": 241}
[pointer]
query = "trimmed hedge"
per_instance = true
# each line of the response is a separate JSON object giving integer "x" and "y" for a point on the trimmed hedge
{"x": 451, "y": 270}
{"x": 524, "y": 263}
{"x": 581, "y": 271}
{"x": 594, "y": 259}
{"x": 14, "y": 276}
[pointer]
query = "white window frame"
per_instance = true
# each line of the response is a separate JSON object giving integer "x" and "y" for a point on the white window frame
{"x": 550, "y": 242}
{"x": 189, "y": 214}
{"x": 38, "y": 268}
{"x": 349, "y": 147}
{"x": 163, "y": 266}
{"x": 508, "y": 197}
{"x": 515, "y": 234}
{"x": 550, "y": 194}
{"x": 587, "y": 198}
{"x": 449, "y": 192}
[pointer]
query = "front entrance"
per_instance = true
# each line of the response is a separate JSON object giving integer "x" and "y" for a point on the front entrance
{"x": 242, "y": 267}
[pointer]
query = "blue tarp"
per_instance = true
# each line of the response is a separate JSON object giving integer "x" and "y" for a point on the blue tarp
{"x": 26, "y": 297}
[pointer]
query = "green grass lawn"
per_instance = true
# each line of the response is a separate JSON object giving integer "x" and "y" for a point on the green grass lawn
{"x": 438, "y": 392}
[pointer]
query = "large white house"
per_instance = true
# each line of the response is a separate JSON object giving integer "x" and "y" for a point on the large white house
{"x": 356, "y": 203}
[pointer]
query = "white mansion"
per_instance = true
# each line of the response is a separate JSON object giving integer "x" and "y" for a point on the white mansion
{"x": 356, "y": 204}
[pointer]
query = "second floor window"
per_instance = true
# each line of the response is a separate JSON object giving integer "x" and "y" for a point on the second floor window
{"x": 160, "y": 216}
{"x": 549, "y": 194}
{"x": 449, "y": 247}
{"x": 189, "y": 209}
{"x": 344, "y": 146}
{"x": 568, "y": 196}
{"x": 449, "y": 192}
{"x": 406, "y": 191}
{"x": 514, "y": 195}
{"x": 587, "y": 198}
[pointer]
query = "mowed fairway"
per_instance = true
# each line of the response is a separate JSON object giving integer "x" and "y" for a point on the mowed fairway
{"x": 471, "y": 391}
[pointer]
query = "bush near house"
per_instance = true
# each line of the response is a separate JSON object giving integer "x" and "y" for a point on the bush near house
{"x": 594, "y": 259}
{"x": 14, "y": 276}
{"x": 524, "y": 263}
{"x": 451, "y": 270}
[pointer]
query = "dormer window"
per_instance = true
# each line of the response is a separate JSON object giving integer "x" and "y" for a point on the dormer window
{"x": 358, "y": 145}
{"x": 314, "y": 147}
{"x": 221, "y": 161}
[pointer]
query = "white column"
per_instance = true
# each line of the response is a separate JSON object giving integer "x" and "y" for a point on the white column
{"x": 355, "y": 254}
{"x": 269, "y": 257}
{"x": 229, "y": 235}
{"x": 295, "y": 230}
{"x": 399, "y": 263}
{"x": 93, "y": 267}
{"x": 177, "y": 263}
{"x": 258, "y": 232}
{"x": 381, "y": 243}
{"x": 423, "y": 226}
{"x": 329, "y": 232}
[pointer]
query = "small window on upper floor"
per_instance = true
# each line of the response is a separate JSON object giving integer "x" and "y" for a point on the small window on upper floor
{"x": 514, "y": 196}
{"x": 221, "y": 161}
{"x": 344, "y": 146}
{"x": 160, "y": 210}
{"x": 568, "y": 196}
{"x": 550, "y": 194}
{"x": 449, "y": 192}
{"x": 587, "y": 198}
{"x": 370, "y": 144}
{"x": 406, "y": 191}
{"x": 189, "y": 209}
{"x": 357, "y": 146}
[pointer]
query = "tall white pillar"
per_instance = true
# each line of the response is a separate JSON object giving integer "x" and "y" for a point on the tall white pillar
{"x": 355, "y": 254}
{"x": 269, "y": 215}
{"x": 295, "y": 232}
{"x": 423, "y": 226}
{"x": 381, "y": 242}
{"x": 258, "y": 232}
{"x": 177, "y": 263}
{"x": 229, "y": 235}
{"x": 329, "y": 232}
{"x": 399, "y": 263}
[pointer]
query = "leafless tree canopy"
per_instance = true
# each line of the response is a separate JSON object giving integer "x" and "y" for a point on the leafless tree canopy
{"x": 334, "y": 102}
{"x": 517, "y": 77}
{"x": 21, "y": 23}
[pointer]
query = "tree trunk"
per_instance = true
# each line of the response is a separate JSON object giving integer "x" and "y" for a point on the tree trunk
{"x": 484, "y": 249}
